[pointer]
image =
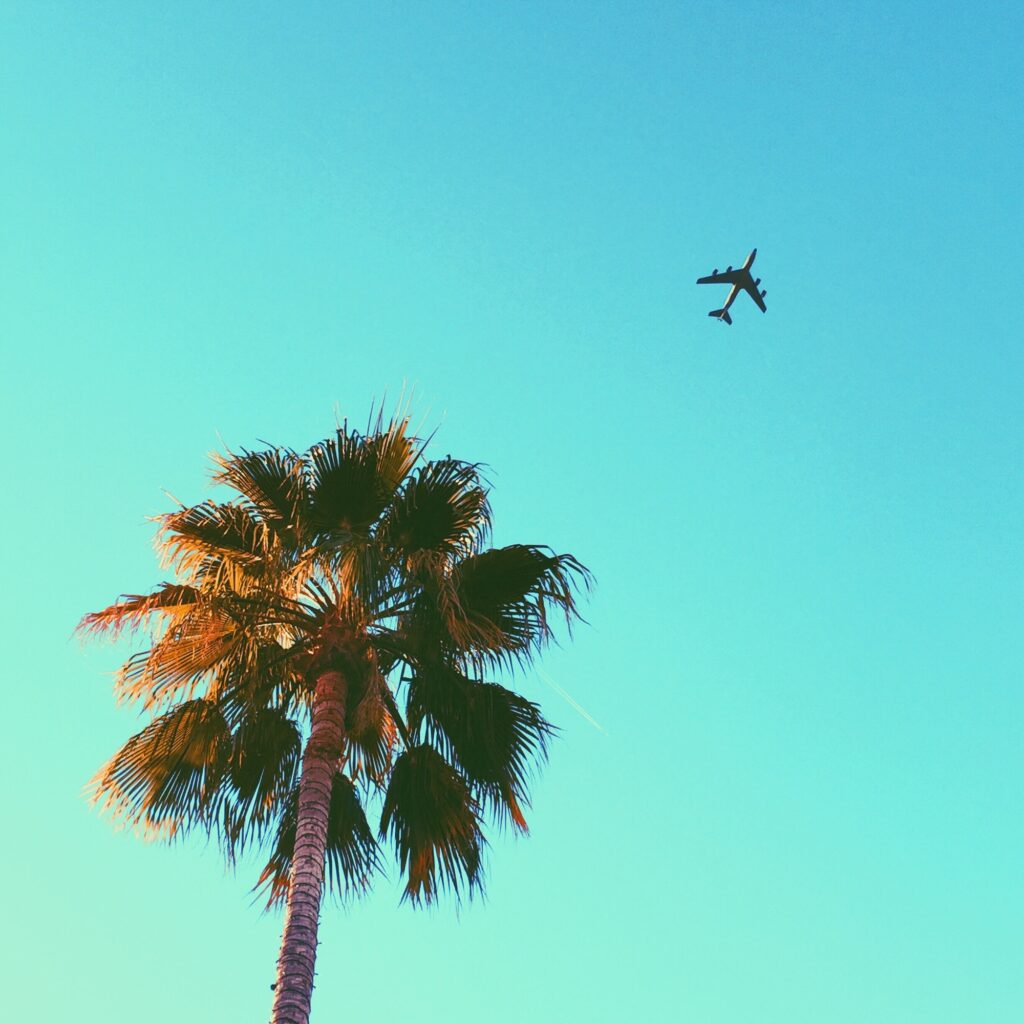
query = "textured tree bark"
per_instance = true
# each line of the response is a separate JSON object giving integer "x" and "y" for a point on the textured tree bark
{"x": 302, "y": 912}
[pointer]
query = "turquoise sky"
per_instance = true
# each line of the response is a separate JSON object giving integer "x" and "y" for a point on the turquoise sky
{"x": 229, "y": 222}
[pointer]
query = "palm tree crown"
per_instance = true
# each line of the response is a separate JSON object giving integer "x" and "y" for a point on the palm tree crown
{"x": 328, "y": 638}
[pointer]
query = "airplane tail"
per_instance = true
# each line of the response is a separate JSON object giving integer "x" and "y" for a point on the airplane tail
{"x": 722, "y": 314}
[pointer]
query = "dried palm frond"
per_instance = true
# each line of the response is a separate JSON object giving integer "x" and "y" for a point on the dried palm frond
{"x": 209, "y": 635}
{"x": 371, "y": 733}
{"x": 131, "y": 611}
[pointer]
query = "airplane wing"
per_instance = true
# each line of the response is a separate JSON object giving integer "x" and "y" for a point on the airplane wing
{"x": 752, "y": 291}
{"x": 726, "y": 277}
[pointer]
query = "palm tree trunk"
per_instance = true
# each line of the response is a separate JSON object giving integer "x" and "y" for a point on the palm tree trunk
{"x": 302, "y": 913}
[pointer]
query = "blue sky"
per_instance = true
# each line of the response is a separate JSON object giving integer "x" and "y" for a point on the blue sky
{"x": 234, "y": 222}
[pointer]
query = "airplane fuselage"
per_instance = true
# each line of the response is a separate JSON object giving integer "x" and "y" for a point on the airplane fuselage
{"x": 733, "y": 292}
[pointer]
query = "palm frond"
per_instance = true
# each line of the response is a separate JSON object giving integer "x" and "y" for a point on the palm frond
{"x": 504, "y": 597}
{"x": 165, "y": 777}
{"x": 130, "y": 611}
{"x": 394, "y": 450}
{"x": 261, "y": 675}
{"x": 348, "y": 493}
{"x": 190, "y": 537}
{"x": 363, "y": 569}
{"x": 262, "y": 768}
{"x": 273, "y": 481}
{"x": 178, "y": 662}
{"x": 352, "y": 852}
{"x": 430, "y": 815}
{"x": 441, "y": 509}
{"x": 496, "y": 736}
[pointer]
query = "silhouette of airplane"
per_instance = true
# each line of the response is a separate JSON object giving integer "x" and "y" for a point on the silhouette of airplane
{"x": 739, "y": 279}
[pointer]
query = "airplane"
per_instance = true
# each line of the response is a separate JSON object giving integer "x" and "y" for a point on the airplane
{"x": 738, "y": 279}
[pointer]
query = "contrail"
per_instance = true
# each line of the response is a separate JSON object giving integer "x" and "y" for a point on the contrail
{"x": 574, "y": 704}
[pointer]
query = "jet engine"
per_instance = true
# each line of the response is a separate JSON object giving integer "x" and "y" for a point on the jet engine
{"x": 715, "y": 271}
{"x": 727, "y": 269}
{"x": 757, "y": 280}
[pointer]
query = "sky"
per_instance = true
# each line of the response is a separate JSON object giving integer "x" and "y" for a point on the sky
{"x": 227, "y": 223}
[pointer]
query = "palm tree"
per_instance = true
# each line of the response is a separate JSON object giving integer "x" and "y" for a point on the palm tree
{"x": 328, "y": 638}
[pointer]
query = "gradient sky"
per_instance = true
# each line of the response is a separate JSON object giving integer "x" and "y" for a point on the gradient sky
{"x": 230, "y": 222}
